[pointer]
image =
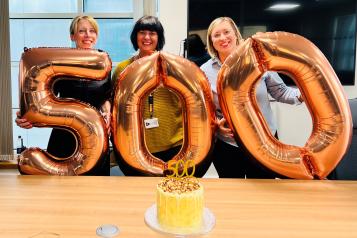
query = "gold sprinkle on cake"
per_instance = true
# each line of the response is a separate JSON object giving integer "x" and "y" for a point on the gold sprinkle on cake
{"x": 182, "y": 185}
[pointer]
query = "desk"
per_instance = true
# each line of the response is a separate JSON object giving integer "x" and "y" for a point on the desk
{"x": 76, "y": 206}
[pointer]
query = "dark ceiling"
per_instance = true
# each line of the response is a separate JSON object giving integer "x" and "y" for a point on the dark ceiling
{"x": 253, "y": 12}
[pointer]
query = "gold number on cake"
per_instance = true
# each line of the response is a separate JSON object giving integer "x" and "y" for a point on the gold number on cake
{"x": 181, "y": 164}
{"x": 180, "y": 168}
{"x": 192, "y": 163}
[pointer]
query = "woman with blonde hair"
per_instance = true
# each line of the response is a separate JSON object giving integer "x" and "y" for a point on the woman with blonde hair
{"x": 223, "y": 37}
{"x": 84, "y": 33}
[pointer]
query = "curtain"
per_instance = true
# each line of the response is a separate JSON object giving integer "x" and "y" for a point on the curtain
{"x": 6, "y": 139}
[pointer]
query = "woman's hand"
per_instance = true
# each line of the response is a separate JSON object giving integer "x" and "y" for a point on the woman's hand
{"x": 22, "y": 122}
{"x": 106, "y": 116}
{"x": 301, "y": 99}
{"x": 223, "y": 129}
{"x": 105, "y": 112}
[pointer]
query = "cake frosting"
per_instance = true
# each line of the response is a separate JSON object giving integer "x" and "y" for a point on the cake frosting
{"x": 180, "y": 204}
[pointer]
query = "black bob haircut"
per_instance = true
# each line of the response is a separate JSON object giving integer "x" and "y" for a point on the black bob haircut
{"x": 148, "y": 23}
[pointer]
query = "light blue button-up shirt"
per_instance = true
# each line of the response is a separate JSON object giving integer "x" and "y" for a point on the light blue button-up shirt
{"x": 270, "y": 83}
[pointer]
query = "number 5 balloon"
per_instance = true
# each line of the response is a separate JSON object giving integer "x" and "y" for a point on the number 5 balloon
{"x": 324, "y": 96}
{"x": 39, "y": 69}
{"x": 190, "y": 84}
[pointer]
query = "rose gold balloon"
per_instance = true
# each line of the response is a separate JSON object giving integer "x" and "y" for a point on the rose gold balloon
{"x": 39, "y": 68}
{"x": 297, "y": 57}
{"x": 182, "y": 77}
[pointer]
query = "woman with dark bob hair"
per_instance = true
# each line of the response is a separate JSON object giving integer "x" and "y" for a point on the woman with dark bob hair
{"x": 148, "y": 23}
{"x": 146, "y": 37}
{"x": 163, "y": 141}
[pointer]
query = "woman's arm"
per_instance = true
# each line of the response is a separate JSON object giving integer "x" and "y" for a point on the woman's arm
{"x": 280, "y": 91}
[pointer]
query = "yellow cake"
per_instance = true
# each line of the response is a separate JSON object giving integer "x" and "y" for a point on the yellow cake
{"x": 180, "y": 204}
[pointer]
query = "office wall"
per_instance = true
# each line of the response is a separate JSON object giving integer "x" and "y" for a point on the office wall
{"x": 173, "y": 16}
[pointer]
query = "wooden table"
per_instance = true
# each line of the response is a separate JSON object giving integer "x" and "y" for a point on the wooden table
{"x": 50, "y": 206}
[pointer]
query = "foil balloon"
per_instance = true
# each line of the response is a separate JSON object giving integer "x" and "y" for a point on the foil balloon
{"x": 190, "y": 84}
{"x": 323, "y": 94}
{"x": 39, "y": 69}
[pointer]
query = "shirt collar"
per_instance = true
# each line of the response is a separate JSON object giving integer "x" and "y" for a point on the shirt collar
{"x": 216, "y": 60}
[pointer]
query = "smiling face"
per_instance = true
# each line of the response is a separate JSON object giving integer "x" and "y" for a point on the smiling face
{"x": 85, "y": 36}
{"x": 224, "y": 39}
{"x": 147, "y": 41}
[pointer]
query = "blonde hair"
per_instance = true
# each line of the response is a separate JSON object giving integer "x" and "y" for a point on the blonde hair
{"x": 74, "y": 24}
{"x": 211, "y": 50}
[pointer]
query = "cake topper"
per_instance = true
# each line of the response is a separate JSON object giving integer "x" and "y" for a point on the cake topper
{"x": 180, "y": 168}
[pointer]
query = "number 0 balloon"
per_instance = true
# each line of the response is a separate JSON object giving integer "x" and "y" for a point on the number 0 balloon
{"x": 39, "y": 69}
{"x": 297, "y": 57}
{"x": 190, "y": 84}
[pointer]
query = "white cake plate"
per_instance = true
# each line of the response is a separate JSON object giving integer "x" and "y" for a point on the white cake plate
{"x": 208, "y": 223}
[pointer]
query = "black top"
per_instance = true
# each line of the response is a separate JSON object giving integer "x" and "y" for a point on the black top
{"x": 199, "y": 60}
{"x": 61, "y": 142}
{"x": 93, "y": 92}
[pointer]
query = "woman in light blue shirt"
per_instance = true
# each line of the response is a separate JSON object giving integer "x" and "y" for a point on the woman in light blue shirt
{"x": 230, "y": 161}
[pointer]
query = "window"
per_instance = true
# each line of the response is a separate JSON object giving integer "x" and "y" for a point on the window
{"x": 43, "y": 6}
{"x": 42, "y": 23}
{"x": 102, "y": 5}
